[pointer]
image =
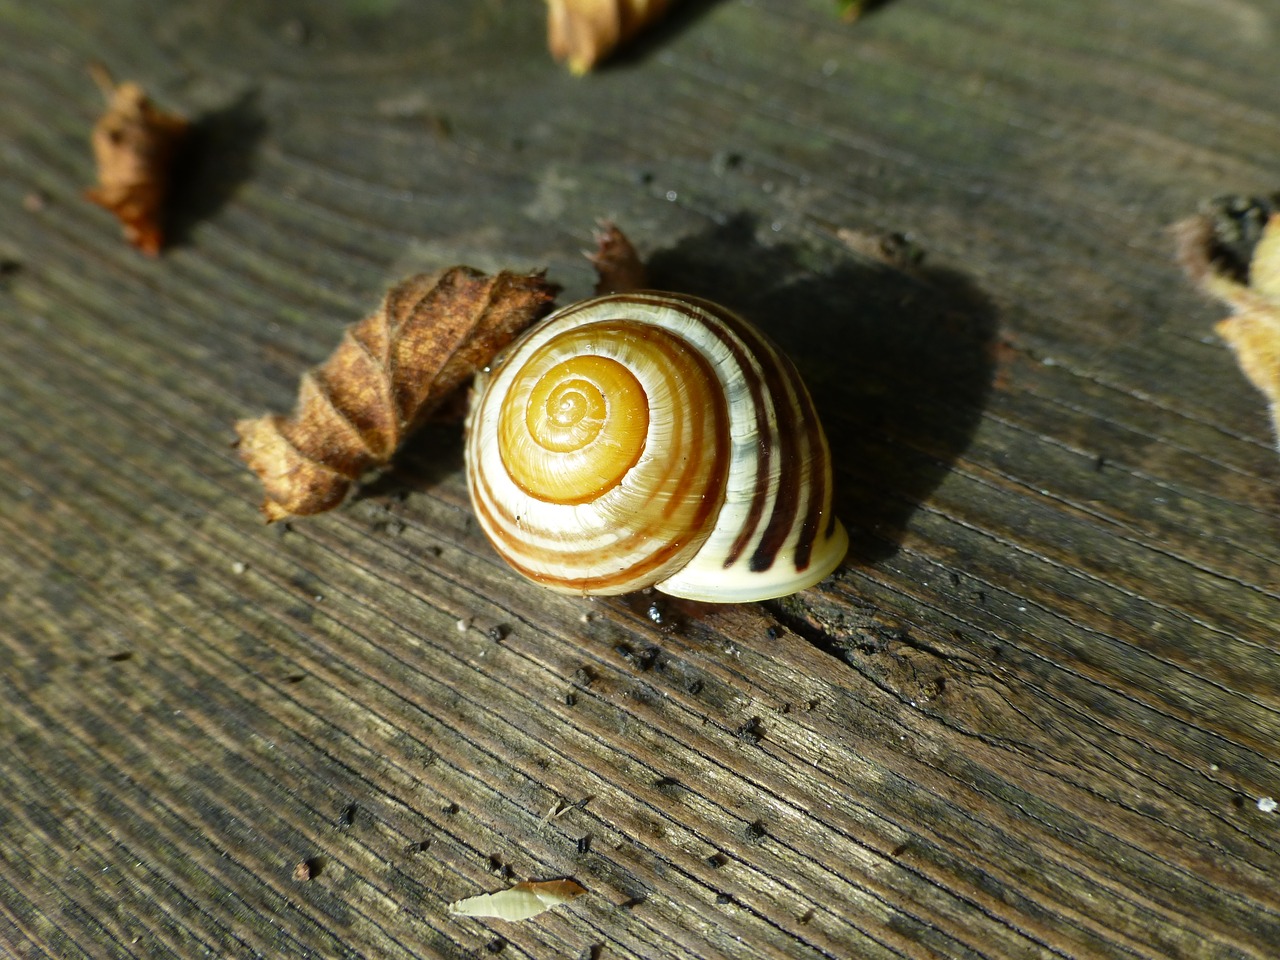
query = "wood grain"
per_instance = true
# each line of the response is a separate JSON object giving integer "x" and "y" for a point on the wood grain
{"x": 1035, "y": 715}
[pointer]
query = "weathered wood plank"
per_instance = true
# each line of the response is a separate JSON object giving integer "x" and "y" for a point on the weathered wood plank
{"x": 1035, "y": 715}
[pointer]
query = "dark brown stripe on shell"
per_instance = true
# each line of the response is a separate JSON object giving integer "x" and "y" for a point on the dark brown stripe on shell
{"x": 764, "y": 455}
{"x": 764, "y": 449}
{"x": 790, "y": 451}
{"x": 819, "y": 480}
{"x": 777, "y": 370}
{"x": 792, "y": 406}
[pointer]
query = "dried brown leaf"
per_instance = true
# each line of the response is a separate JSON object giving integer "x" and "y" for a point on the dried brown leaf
{"x": 521, "y": 902}
{"x": 1253, "y": 329}
{"x": 388, "y": 373}
{"x": 619, "y": 268}
{"x": 134, "y": 144}
{"x": 584, "y": 32}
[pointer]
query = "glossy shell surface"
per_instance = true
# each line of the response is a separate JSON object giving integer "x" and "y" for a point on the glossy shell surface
{"x": 653, "y": 439}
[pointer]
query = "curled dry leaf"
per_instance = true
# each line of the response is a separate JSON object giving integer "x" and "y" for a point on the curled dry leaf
{"x": 619, "y": 268}
{"x": 1210, "y": 250}
{"x": 521, "y": 902}
{"x": 584, "y": 32}
{"x": 388, "y": 373}
{"x": 134, "y": 144}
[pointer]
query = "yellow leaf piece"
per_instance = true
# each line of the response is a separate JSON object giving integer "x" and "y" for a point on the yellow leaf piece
{"x": 584, "y": 32}
{"x": 1264, "y": 268}
{"x": 1253, "y": 329}
{"x": 521, "y": 902}
{"x": 1254, "y": 335}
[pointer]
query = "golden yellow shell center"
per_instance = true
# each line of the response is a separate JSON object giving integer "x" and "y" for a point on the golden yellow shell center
{"x": 576, "y": 431}
{"x": 573, "y": 415}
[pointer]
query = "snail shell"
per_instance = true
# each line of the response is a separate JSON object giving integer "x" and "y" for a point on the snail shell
{"x": 653, "y": 439}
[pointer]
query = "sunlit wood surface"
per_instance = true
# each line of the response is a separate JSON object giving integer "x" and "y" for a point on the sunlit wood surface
{"x": 1036, "y": 714}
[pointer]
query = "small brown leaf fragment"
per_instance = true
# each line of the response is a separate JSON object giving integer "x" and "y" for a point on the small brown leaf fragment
{"x": 134, "y": 144}
{"x": 1253, "y": 329}
{"x": 618, "y": 266}
{"x": 1254, "y": 335}
{"x": 584, "y": 32}
{"x": 891, "y": 248}
{"x": 521, "y": 902}
{"x": 388, "y": 373}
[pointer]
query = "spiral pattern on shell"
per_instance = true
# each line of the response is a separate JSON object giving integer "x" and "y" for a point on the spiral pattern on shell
{"x": 653, "y": 439}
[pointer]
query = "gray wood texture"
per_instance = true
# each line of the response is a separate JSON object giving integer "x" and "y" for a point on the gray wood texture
{"x": 1036, "y": 714}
